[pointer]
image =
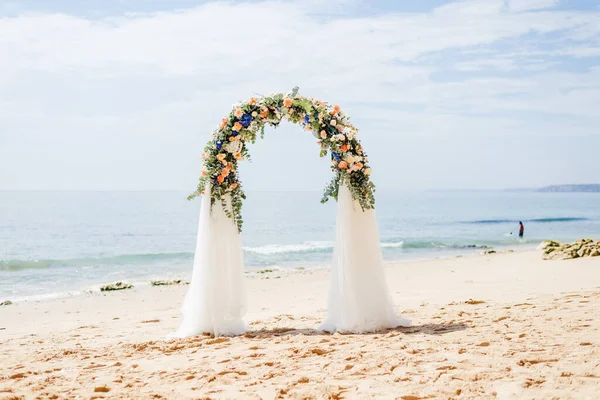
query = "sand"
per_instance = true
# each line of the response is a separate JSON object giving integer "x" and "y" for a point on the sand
{"x": 506, "y": 326}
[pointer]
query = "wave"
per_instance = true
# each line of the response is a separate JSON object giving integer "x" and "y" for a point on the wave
{"x": 256, "y": 256}
{"x": 123, "y": 259}
{"x": 432, "y": 244}
{"x": 306, "y": 247}
{"x": 516, "y": 221}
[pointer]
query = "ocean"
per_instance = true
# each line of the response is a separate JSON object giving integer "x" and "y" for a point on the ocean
{"x": 60, "y": 243}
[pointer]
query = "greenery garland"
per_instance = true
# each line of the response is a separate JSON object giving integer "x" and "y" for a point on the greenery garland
{"x": 335, "y": 134}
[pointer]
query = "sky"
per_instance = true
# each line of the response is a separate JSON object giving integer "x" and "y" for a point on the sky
{"x": 124, "y": 94}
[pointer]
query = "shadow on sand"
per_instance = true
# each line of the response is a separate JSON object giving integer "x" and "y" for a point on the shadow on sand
{"x": 426, "y": 329}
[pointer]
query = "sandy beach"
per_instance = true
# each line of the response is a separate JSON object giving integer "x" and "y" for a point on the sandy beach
{"x": 506, "y": 326}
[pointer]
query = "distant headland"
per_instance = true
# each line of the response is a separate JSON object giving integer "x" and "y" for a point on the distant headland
{"x": 570, "y": 188}
{"x": 593, "y": 188}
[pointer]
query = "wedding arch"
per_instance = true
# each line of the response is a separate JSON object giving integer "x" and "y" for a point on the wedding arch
{"x": 358, "y": 296}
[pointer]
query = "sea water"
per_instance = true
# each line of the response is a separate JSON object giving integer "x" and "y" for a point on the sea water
{"x": 54, "y": 243}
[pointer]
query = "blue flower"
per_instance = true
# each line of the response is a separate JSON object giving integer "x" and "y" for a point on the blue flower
{"x": 218, "y": 144}
{"x": 306, "y": 119}
{"x": 246, "y": 120}
{"x": 336, "y": 156}
{"x": 234, "y": 133}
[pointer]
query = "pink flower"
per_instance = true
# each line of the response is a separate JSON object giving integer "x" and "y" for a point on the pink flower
{"x": 323, "y": 135}
{"x": 238, "y": 113}
{"x": 343, "y": 165}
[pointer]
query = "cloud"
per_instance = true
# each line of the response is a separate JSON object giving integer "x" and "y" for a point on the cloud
{"x": 530, "y": 5}
{"x": 94, "y": 97}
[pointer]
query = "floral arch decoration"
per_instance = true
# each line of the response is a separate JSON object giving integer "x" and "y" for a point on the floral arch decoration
{"x": 329, "y": 124}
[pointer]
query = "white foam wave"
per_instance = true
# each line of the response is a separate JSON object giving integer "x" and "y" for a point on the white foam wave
{"x": 392, "y": 244}
{"x": 305, "y": 247}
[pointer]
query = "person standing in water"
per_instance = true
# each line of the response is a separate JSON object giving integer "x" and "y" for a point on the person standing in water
{"x": 521, "y": 229}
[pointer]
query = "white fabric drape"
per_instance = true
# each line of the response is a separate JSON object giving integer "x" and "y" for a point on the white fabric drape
{"x": 215, "y": 302}
{"x": 359, "y": 301}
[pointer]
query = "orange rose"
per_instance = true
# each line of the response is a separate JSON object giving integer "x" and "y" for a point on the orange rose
{"x": 204, "y": 172}
{"x": 221, "y": 156}
{"x": 238, "y": 112}
{"x": 233, "y": 185}
{"x": 223, "y": 123}
{"x": 237, "y": 156}
{"x": 344, "y": 147}
{"x": 232, "y": 138}
{"x": 237, "y": 126}
{"x": 359, "y": 165}
{"x": 252, "y": 101}
{"x": 323, "y": 134}
{"x": 343, "y": 165}
{"x": 225, "y": 172}
{"x": 220, "y": 179}
{"x": 287, "y": 102}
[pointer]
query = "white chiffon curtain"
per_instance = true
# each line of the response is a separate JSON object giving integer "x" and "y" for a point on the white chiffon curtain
{"x": 358, "y": 296}
{"x": 215, "y": 302}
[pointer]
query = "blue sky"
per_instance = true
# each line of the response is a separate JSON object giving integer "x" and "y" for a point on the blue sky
{"x": 124, "y": 94}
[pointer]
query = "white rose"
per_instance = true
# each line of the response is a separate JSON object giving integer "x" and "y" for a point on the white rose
{"x": 254, "y": 114}
{"x": 333, "y": 122}
{"x": 233, "y": 147}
